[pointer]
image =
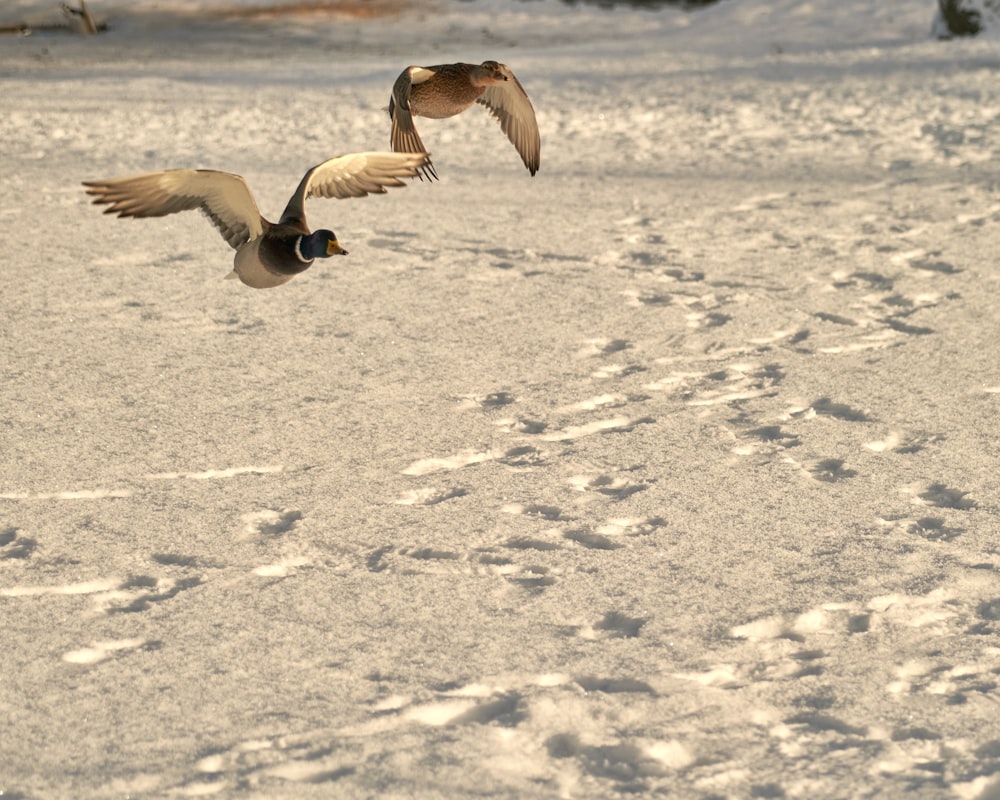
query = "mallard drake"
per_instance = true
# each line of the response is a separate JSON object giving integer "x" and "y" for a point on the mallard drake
{"x": 268, "y": 254}
{"x": 448, "y": 89}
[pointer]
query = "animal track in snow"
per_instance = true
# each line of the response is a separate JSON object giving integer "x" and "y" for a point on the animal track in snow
{"x": 139, "y": 592}
{"x": 876, "y": 340}
{"x": 517, "y": 456}
{"x": 616, "y": 487}
{"x": 791, "y": 336}
{"x": 940, "y": 496}
{"x": 593, "y": 683}
{"x": 508, "y": 717}
{"x": 282, "y": 568}
{"x": 13, "y": 545}
{"x": 609, "y": 536}
{"x": 879, "y": 315}
{"x": 534, "y": 542}
{"x": 903, "y": 443}
{"x": 600, "y": 401}
{"x": 550, "y": 513}
{"x": 85, "y": 587}
{"x": 763, "y": 202}
{"x": 932, "y": 265}
{"x": 902, "y": 327}
{"x": 729, "y": 384}
{"x": 955, "y": 683}
{"x": 630, "y": 526}
{"x": 836, "y": 319}
{"x": 933, "y": 529}
{"x": 488, "y": 401}
{"x": 648, "y": 297}
{"x": 469, "y": 709}
{"x": 429, "y": 466}
{"x": 533, "y": 578}
{"x": 434, "y": 561}
{"x": 826, "y": 407}
{"x": 657, "y": 297}
{"x": 619, "y": 424}
{"x": 613, "y": 625}
{"x": 882, "y": 307}
{"x": 979, "y": 217}
{"x": 707, "y": 319}
{"x": 78, "y": 494}
{"x": 288, "y": 758}
{"x": 101, "y": 651}
{"x": 520, "y": 425}
{"x": 831, "y": 470}
{"x": 611, "y": 371}
{"x": 270, "y": 522}
{"x": 112, "y": 595}
{"x": 910, "y": 628}
{"x": 591, "y": 540}
{"x": 111, "y": 494}
{"x": 429, "y": 496}
{"x": 213, "y": 474}
{"x": 175, "y": 560}
{"x": 771, "y": 437}
{"x": 627, "y": 763}
{"x": 602, "y": 347}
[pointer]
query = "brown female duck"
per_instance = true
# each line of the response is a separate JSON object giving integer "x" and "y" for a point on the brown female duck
{"x": 448, "y": 89}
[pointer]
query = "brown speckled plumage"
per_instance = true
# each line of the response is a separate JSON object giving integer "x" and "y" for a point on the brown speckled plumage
{"x": 449, "y": 89}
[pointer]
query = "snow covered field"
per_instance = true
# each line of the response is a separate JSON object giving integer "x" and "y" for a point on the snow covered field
{"x": 671, "y": 471}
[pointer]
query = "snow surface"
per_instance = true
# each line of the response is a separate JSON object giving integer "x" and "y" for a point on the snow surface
{"x": 671, "y": 471}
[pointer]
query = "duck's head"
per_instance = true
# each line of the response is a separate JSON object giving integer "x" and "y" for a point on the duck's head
{"x": 494, "y": 69}
{"x": 321, "y": 244}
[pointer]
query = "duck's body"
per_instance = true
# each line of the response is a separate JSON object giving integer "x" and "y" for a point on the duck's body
{"x": 264, "y": 262}
{"x": 448, "y": 89}
{"x": 268, "y": 254}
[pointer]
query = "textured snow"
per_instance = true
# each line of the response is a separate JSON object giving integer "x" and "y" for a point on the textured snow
{"x": 670, "y": 471}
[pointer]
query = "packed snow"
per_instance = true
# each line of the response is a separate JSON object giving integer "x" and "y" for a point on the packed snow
{"x": 670, "y": 471}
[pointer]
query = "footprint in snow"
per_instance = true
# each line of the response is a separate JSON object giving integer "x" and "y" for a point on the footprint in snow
{"x": 113, "y": 595}
{"x": 515, "y": 457}
{"x": 905, "y": 444}
{"x": 611, "y": 425}
{"x": 270, "y": 522}
{"x": 488, "y": 402}
{"x": 931, "y": 529}
{"x": 831, "y": 470}
{"x": 938, "y": 495}
{"x": 772, "y": 438}
{"x": 733, "y": 383}
{"x": 613, "y": 625}
{"x": 617, "y": 487}
{"x": 825, "y": 407}
{"x": 102, "y": 651}
{"x": 430, "y": 560}
{"x": 430, "y": 495}
{"x": 550, "y": 513}
{"x": 15, "y": 546}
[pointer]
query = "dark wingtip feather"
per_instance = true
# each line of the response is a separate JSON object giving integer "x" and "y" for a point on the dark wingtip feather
{"x": 429, "y": 171}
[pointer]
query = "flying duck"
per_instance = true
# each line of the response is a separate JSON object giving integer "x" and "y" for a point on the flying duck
{"x": 268, "y": 254}
{"x": 449, "y": 89}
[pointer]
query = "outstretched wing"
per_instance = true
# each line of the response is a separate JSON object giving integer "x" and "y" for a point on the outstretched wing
{"x": 509, "y": 103}
{"x": 404, "y": 137}
{"x": 353, "y": 175}
{"x": 224, "y": 198}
